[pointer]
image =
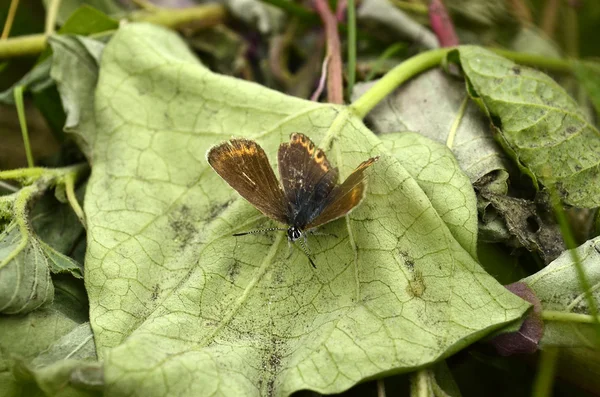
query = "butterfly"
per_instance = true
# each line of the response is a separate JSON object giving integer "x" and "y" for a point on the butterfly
{"x": 308, "y": 195}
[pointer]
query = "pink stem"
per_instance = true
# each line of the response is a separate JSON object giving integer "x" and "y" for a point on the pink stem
{"x": 334, "y": 67}
{"x": 441, "y": 23}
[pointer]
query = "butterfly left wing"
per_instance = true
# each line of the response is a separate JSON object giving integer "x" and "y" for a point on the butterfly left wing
{"x": 243, "y": 164}
{"x": 343, "y": 198}
{"x": 306, "y": 176}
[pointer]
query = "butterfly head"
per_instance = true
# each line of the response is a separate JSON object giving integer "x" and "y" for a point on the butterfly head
{"x": 294, "y": 233}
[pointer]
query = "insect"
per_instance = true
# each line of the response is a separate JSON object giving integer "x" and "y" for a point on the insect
{"x": 308, "y": 195}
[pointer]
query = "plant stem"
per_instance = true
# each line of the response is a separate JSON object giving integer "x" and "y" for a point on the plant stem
{"x": 335, "y": 87}
{"x": 456, "y": 123}
{"x": 408, "y": 6}
{"x": 388, "y": 53}
{"x": 544, "y": 379}
{"x": 548, "y": 22}
{"x": 51, "y": 17}
{"x": 420, "y": 383}
{"x": 210, "y": 15}
{"x": 380, "y": 388}
{"x": 70, "y": 191}
{"x": 401, "y": 73}
{"x": 22, "y": 46}
{"x": 567, "y": 317}
{"x": 351, "y": 11}
{"x": 18, "y": 94}
{"x": 429, "y": 59}
{"x": 538, "y": 61}
{"x": 14, "y": 4}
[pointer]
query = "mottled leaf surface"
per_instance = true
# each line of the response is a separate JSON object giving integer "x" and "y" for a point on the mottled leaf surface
{"x": 539, "y": 124}
{"x": 179, "y": 306}
{"x": 557, "y": 287}
{"x": 25, "y": 337}
{"x": 436, "y": 171}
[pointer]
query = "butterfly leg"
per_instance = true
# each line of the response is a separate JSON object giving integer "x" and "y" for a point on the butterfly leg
{"x": 271, "y": 229}
{"x": 306, "y": 251}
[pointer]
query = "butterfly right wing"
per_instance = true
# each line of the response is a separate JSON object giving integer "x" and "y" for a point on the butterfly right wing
{"x": 344, "y": 197}
{"x": 243, "y": 164}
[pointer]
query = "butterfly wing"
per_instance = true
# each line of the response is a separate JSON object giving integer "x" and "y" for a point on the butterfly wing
{"x": 243, "y": 164}
{"x": 345, "y": 197}
{"x": 306, "y": 176}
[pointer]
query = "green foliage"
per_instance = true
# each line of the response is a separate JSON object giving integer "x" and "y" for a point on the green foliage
{"x": 538, "y": 123}
{"x": 179, "y": 306}
{"x": 163, "y": 270}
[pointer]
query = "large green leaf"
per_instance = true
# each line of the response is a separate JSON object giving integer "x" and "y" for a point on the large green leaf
{"x": 437, "y": 172}
{"x": 558, "y": 288}
{"x": 180, "y": 306}
{"x": 539, "y": 124}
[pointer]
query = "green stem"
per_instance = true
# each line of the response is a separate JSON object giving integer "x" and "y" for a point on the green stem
{"x": 420, "y": 384}
{"x": 23, "y": 174}
{"x": 401, "y": 73}
{"x": 408, "y": 6}
{"x": 544, "y": 379}
{"x": 351, "y": 10}
{"x": 70, "y": 179}
{"x": 208, "y": 15}
{"x": 456, "y": 123}
{"x": 388, "y": 53}
{"x": 18, "y": 94}
{"x": 51, "y": 17}
{"x": 22, "y": 46}
{"x": 537, "y": 61}
{"x": 567, "y": 317}
{"x": 432, "y": 58}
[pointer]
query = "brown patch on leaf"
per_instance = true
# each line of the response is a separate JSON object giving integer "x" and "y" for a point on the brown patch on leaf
{"x": 416, "y": 287}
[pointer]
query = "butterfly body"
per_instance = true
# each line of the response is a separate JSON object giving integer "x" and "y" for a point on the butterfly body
{"x": 308, "y": 195}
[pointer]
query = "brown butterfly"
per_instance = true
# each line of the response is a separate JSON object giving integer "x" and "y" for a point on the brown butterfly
{"x": 310, "y": 196}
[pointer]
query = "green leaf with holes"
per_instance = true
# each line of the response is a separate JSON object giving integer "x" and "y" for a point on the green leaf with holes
{"x": 180, "y": 306}
{"x": 538, "y": 123}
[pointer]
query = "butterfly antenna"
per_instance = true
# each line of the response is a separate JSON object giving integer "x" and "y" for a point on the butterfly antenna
{"x": 307, "y": 253}
{"x": 271, "y": 229}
